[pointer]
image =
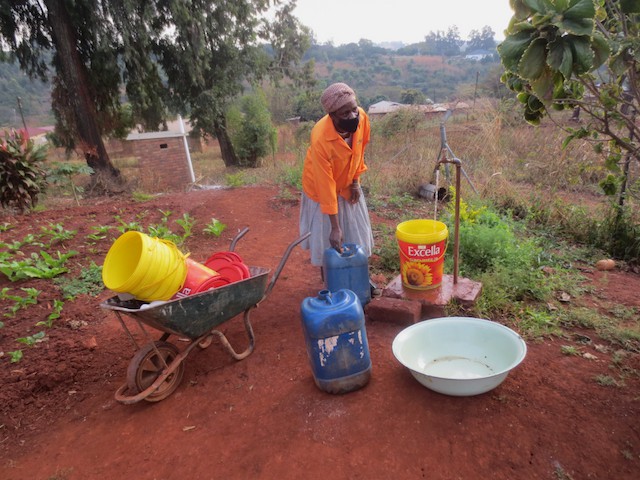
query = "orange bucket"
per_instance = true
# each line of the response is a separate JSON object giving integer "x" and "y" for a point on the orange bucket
{"x": 422, "y": 244}
{"x": 197, "y": 276}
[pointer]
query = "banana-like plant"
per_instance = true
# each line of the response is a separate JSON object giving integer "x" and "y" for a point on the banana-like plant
{"x": 560, "y": 54}
{"x": 22, "y": 178}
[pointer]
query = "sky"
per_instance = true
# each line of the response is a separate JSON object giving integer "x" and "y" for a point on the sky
{"x": 408, "y": 21}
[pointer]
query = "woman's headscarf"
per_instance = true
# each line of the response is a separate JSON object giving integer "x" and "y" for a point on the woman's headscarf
{"x": 336, "y": 96}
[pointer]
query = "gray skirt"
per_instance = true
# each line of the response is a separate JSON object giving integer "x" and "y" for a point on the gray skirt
{"x": 354, "y": 223}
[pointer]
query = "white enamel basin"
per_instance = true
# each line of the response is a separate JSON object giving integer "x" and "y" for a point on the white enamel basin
{"x": 459, "y": 356}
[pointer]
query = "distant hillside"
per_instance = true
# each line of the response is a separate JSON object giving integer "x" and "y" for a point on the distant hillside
{"x": 375, "y": 72}
{"x": 34, "y": 96}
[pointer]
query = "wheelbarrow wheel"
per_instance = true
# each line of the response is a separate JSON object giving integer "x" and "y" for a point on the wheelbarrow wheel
{"x": 146, "y": 366}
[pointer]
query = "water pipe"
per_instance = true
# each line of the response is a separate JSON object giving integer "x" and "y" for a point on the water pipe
{"x": 456, "y": 244}
{"x": 186, "y": 149}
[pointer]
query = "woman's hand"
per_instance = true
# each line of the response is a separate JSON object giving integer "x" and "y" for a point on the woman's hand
{"x": 355, "y": 193}
{"x": 335, "y": 238}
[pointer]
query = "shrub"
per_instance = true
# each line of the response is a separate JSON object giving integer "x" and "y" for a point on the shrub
{"x": 619, "y": 234}
{"x": 252, "y": 132}
{"x": 22, "y": 178}
{"x": 507, "y": 266}
{"x": 291, "y": 175}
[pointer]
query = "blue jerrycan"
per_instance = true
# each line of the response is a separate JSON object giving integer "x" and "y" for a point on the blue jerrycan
{"x": 349, "y": 269}
{"x": 336, "y": 339}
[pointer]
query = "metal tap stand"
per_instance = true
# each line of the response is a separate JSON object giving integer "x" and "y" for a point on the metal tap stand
{"x": 446, "y": 157}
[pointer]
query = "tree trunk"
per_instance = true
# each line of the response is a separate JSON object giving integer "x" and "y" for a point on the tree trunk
{"x": 75, "y": 80}
{"x": 229, "y": 156}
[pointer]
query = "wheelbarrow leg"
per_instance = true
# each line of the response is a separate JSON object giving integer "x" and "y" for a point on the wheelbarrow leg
{"x": 249, "y": 330}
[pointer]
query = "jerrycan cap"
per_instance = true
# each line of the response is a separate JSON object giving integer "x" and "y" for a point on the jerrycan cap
{"x": 325, "y": 295}
{"x": 328, "y": 300}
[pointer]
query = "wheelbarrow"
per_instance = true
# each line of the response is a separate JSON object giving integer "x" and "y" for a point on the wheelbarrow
{"x": 156, "y": 369}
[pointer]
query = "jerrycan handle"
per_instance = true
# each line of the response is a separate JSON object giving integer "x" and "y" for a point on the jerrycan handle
{"x": 349, "y": 249}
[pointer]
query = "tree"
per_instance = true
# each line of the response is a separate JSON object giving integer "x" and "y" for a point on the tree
{"x": 580, "y": 53}
{"x": 33, "y": 31}
{"x": 452, "y": 41}
{"x": 431, "y": 45}
{"x": 413, "y": 97}
{"x": 441, "y": 43}
{"x": 308, "y": 106}
{"x": 213, "y": 47}
{"x": 482, "y": 40}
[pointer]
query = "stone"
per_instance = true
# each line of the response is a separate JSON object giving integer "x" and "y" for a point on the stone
{"x": 90, "y": 343}
{"x": 394, "y": 310}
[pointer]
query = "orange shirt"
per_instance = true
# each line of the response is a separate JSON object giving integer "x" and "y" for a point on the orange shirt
{"x": 331, "y": 165}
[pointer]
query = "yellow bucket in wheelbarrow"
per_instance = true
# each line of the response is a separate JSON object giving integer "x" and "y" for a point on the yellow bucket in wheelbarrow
{"x": 422, "y": 244}
{"x": 146, "y": 267}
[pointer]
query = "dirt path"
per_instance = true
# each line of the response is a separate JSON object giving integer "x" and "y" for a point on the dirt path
{"x": 263, "y": 417}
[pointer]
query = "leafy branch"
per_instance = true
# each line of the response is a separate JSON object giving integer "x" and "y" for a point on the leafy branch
{"x": 583, "y": 54}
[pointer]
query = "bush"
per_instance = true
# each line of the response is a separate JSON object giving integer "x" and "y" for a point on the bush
{"x": 291, "y": 175}
{"x": 22, "y": 178}
{"x": 507, "y": 266}
{"x": 252, "y": 132}
{"x": 619, "y": 234}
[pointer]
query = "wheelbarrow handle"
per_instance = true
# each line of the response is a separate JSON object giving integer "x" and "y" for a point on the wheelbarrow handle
{"x": 283, "y": 261}
{"x": 240, "y": 234}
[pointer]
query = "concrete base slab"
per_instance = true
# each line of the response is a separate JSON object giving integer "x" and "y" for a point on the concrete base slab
{"x": 465, "y": 292}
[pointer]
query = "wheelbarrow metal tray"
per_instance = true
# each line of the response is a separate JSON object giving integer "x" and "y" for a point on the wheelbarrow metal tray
{"x": 195, "y": 315}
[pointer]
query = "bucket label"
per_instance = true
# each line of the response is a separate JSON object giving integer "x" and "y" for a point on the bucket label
{"x": 184, "y": 292}
{"x": 422, "y": 266}
{"x": 423, "y": 251}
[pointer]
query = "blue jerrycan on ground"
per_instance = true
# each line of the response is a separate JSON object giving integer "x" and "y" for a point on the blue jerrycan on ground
{"x": 336, "y": 339}
{"x": 349, "y": 269}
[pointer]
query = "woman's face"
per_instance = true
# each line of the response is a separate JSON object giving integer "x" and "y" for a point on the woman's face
{"x": 350, "y": 110}
{"x": 345, "y": 119}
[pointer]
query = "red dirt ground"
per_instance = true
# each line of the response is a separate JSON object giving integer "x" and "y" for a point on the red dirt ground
{"x": 263, "y": 417}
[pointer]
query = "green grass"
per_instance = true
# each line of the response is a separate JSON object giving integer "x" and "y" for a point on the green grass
{"x": 607, "y": 381}
{"x": 386, "y": 259}
{"x": 88, "y": 282}
{"x": 570, "y": 350}
{"x": 142, "y": 196}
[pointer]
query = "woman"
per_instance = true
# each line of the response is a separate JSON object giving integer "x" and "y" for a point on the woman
{"x": 333, "y": 207}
